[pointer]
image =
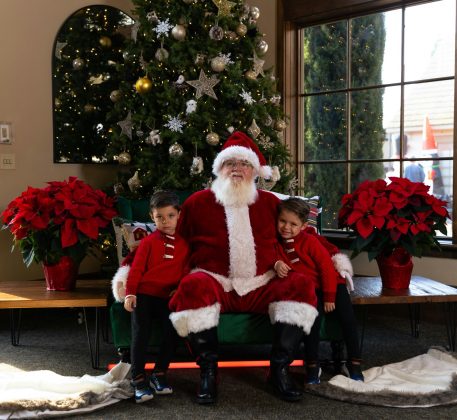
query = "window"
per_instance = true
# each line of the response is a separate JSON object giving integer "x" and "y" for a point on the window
{"x": 376, "y": 99}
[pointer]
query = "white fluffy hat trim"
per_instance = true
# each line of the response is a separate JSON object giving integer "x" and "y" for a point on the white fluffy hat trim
{"x": 236, "y": 152}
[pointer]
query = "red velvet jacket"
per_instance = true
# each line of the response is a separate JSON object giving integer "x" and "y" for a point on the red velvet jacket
{"x": 309, "y": 256}
{"x": 159, "y": 264}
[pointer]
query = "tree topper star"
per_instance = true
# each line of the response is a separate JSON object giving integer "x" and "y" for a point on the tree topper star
{"x": 204, "y": 85}
{"x": 224, "y": 7}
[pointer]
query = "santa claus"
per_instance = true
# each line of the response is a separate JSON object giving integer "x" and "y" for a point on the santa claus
{"x": 231, "y": 230}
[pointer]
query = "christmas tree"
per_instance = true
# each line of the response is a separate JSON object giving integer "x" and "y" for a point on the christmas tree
{"x": 192, "y": 73}
{"x": 87, "y": 49}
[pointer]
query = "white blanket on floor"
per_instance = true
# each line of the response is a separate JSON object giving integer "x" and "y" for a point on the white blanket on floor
{"x": 45, "y": 393}
{"x": 432, "y": 373}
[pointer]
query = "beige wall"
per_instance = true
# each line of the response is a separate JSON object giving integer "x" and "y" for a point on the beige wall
{"x": 27, "y": 33}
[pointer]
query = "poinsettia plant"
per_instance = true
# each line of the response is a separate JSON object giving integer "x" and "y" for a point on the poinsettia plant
{"x": 63, "y": 219}
{"x": 386, "y": 216}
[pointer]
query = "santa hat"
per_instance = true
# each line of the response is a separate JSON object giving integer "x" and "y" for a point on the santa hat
{"x": 240, "y": 146}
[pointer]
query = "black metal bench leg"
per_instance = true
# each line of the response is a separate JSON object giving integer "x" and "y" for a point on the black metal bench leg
{"x": 414, "y": 319}
{"x": 362, "y": 332}
{"x": 93, "y": 349}
{"x": 15, "y": 326}
{"x": 450, "y": 316}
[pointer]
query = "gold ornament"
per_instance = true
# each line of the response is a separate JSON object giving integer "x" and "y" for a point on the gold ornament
{"x": 134, "y": 182}
{"x": 115, "y": 95}
{"x": 78, "y": 63}
{"x": 254, "y": 130}
{"x": 57, "y": 102}
{"x": 175, "y": 150}
{"x": 124, "y": 158}
{"x": 204, "y": 85}
{"x": 218, "y": 64}
{"x": 262, "y": 47}
{"x": 179, "y": 32}
{"x": 250, "y": 75}
{"x": 231, "y": 36}
{"x": 161, "y": 54}
{"x": 143, "y": 85}
{"x": 212, "y": 138}
{"x": 241, "y": 29}
{"x": 105, "y": 42}
{"x": 280, "y": 125}
{"x": 88, "y": 108}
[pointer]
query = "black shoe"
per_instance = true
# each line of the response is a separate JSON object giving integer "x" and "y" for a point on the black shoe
{"x": 160, "y": 385}
{"x": 282, "y": 384}
{"x": 207, "y": 391}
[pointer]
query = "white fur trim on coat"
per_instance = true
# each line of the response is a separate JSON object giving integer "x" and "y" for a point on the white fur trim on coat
{"x": 342, "y": 263}
{"x": 295, "y": 313}
{"x": 195, "y": 320}
{"x": 241, "y": 286}
{"x": 236, "y": 152}
{"x": 241, "y": 243}
{"x": 119, "y": 281}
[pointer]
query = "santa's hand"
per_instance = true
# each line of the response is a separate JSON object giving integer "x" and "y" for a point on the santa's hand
{"x": 349, "y": 281}
{"x": 281, "y": 268}
{"x": 130, "y": 303}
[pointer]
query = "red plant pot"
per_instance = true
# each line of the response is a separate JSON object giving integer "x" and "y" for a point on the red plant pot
{"x": 395, "y": 269}
{"x": 61, "y": 276}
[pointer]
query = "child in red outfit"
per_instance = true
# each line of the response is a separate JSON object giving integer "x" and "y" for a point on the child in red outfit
{"x": 160, "y": 261}
{"x": 304, "y": 252}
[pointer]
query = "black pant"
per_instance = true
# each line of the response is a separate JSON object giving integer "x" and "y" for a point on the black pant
{"x": 147, "y": 308}
{"x": 347, "y": 321}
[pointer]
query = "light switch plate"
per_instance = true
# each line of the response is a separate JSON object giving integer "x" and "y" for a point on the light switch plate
{"x": 7, "y": 161}
{"x": 5, "y": 133}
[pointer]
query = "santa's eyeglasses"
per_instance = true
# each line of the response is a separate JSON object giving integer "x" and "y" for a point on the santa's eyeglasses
{"x": 232, "y": 164}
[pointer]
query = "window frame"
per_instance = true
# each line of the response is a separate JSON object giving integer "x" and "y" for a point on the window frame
{"x": 292, "y": 16}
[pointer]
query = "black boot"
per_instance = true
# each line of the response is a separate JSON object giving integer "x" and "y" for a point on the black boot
{"x": 285, "y": 341}
{"x": 204, "y": 347}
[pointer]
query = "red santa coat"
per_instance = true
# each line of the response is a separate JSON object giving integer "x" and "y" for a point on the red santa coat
{"x": 223, "y": 240}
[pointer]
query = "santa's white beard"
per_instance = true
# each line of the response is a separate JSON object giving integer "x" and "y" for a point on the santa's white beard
{"x": 231, "y": 193}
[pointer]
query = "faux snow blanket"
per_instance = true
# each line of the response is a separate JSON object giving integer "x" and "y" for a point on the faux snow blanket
{"x": 423, "y": 381}
{"x": 44, "y": 393}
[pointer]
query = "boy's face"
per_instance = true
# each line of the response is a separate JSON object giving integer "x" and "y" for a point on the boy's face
{"x": 289, "y": 224}
{"x": 165, "y": 219}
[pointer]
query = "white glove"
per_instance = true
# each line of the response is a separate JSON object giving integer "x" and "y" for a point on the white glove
{"x": 349, "y": 282}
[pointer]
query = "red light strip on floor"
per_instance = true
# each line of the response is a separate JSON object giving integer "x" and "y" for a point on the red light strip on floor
{"x": 222, "y": 364}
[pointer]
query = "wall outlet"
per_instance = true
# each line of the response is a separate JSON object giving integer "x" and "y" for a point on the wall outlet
{"x": 8, "y": 161}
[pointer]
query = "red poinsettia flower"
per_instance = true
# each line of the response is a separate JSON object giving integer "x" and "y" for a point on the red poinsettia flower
{"x": 384, "y": 217}
{"x": 62, "y": 219}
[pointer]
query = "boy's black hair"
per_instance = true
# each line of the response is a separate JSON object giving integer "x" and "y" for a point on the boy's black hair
{"x": 295, "y": 205}
{"x": 163, "y": 199}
